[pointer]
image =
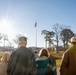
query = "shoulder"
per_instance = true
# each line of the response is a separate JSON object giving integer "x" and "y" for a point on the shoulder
{"x": 22, "y": 51}
{"x": 66, "y": 52}
{"x": 27, "y": 51}
{"x": 24, "y": 48}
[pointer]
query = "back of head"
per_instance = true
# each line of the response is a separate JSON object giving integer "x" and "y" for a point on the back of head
{"x": 22, "y": 41}
{"x": 73, "y": 40}
{"x": 5, "y": 57}
{"x": 43, "y": 52}
{"x": 22, "y": 38}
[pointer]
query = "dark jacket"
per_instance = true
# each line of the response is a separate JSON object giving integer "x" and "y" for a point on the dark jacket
{"x": 21, "y": 62}
{"x": 68, "y": 65}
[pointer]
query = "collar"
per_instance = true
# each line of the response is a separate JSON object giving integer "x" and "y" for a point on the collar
{"x": 42, "y": 58}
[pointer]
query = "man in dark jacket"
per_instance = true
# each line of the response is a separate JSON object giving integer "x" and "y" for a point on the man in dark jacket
{"x": 68, "y": 65}
{"x": 22, "y": 60}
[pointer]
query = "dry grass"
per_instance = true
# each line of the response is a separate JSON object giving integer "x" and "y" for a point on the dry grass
{"x": 58, "y": 56}
{"x": 54, "y": 53}
{"x": 58, "y": 63}
{"x": 1, "y": 53}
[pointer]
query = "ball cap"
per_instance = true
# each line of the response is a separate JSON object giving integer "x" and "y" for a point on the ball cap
{"x": 73, "y": 39}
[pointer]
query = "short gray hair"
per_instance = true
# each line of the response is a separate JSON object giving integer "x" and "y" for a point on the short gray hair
{"x": 22, "y": 38}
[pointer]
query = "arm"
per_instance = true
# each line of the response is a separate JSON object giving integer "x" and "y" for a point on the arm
{"x": 53, "y": 59}
{"x": 9, "y": 66}
{"x": 33, "y": 65}
{"x": 52, "y": 65}
{"x": 64, "y": 64}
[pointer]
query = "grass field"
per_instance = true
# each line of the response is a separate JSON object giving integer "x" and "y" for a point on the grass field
{"x": 55, "y": 54}
{"x": 58, "y": 63}
{"x": 58, "y": 57}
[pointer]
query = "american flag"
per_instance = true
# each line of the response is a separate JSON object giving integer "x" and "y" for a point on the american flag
{"x": 35, "y": 24}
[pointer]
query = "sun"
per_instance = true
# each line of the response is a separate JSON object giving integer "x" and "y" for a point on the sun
{"x": 5, "y": 26}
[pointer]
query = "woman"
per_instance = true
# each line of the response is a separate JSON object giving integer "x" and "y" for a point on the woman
{"x": 43, "y": 62}
{"x": 4, "y": 62}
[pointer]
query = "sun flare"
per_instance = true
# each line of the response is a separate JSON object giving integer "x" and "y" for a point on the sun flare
{"x": 5, "y": 26}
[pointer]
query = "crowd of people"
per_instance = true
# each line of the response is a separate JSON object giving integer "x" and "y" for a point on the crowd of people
{"x": 23, "y": 61}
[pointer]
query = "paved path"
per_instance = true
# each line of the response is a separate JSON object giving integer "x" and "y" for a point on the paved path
{"x": 58, "y": 73}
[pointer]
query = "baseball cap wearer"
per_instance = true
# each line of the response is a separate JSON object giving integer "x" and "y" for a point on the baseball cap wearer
{"x": 22, "y": 38}
{"x": 73, "y": 39}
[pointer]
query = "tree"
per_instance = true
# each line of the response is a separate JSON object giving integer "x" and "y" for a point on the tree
{"x": 5, "y": 38}
{"x": 56, "y": 28}
{"x": 47, "y": 36}
{"x": 16, "y": 39}
{"x": 0, "y": 36}
{"x": 66, "y": 34}
{"x": 50, "y": 35}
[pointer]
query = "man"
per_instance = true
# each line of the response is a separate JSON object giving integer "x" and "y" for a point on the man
{"x": 22, "y": 60}
{"x": 68, "y": 65}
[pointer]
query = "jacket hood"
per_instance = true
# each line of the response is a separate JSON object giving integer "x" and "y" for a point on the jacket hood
{"x": 42, "y": 61}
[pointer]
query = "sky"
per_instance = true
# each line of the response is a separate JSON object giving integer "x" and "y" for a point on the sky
{"x": 19, "y": 17}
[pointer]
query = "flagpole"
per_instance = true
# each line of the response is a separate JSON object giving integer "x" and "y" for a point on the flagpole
{"x": 36, "y": 34}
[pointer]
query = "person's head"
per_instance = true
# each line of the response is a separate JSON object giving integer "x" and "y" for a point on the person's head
{"x": 22, "y": 41}
{"x": 73, "y": 40}
{"x": 43, "y": 52}
{"x": 5, "y": 57}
